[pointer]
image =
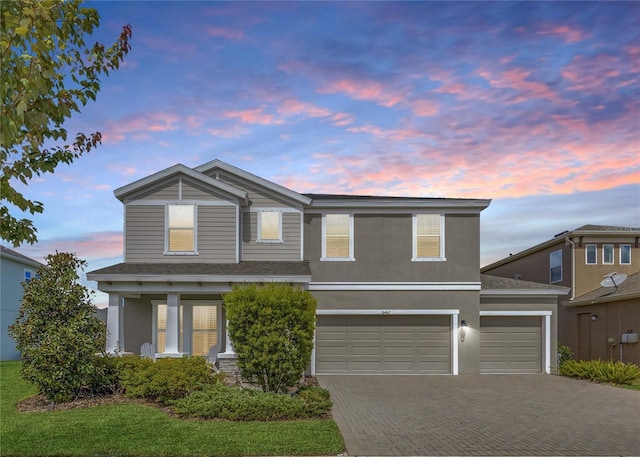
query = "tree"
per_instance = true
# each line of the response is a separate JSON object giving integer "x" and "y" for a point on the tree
{"x": 57, "y": 332}
{"x": 47, "y": 74}
{"x": 271, "y": 327}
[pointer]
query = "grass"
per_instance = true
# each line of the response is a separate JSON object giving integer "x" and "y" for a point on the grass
{"x": 137, "y": 430}
{"x": 635, "y": 385}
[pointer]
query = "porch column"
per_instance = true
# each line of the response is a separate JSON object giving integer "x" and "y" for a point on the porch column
{"x": 229, "y": 346}
{"x": 173, "y": 324}
{"x": 114, "y": 325}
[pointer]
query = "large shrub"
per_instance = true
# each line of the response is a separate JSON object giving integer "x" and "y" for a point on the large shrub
{"x": 241, "y": 404}
{"x": 271, "y": 327}
{"x": 58, "y": 334}
{"x": 601, "y": 371}
{"x": 164, "y": 379}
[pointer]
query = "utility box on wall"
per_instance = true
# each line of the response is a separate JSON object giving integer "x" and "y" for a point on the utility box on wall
{"x": 628, "y": 338}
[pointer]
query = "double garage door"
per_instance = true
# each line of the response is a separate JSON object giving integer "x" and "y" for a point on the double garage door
{"x": 422, "y": 344}
{"x": 383, "y": 345}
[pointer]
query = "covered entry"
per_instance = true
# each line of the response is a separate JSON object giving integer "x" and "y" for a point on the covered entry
{"x": 513, "y": 344}
{"x": 385, "y": 344}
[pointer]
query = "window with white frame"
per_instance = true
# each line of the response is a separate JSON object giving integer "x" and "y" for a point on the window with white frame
{"x": 161, "y": 327}
{"x": 625, "y": 254}
{"x": 591, "y": 254}
{"x": 28, "y": 275}
{"x": 198, "y": 326}
{"x": 428, "y": 237}
{"x": 607, "y": 254}
{"x": 180, "y": 229}
{"x": 555, "y": 266}
{"x": 337, "y": 237}
{"x": 269, "y": 226}
{"x": 204, "y": 328}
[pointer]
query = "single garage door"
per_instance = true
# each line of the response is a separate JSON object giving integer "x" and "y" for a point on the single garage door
{"x": 383, "y": 345}
{"x": 510, "y": 344}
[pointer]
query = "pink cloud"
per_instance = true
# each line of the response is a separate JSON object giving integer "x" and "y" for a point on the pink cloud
{"x": 518, "y": 79}
{"x": 226, "y": 33}
{"x": 234, "y": 131}
{"x": 342, "y": 119}
{"x": 425, "y": 108}
{"x": 292, "y": 107}
{"x": 567, "y": 33}
{"x": 139, "y": 125}
{"x": 88, "y": 247}
{"x": 253, "y": 116}
{"x": 364, "y": 90}
{"x": 598, "y": 74}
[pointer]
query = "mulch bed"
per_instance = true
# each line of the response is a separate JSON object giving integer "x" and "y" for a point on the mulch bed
{"x": 39, "y": 403}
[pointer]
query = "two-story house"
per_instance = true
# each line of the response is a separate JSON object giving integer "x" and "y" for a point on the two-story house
{"x": 397, "y": 279}
{"x": 15, "y": 270}
{"x": 594, "y": 320}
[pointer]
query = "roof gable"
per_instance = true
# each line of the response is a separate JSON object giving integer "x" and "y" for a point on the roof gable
{"x": 17, "y": 257}
{"x": 272, "y": 188}
{"x": 179, "y": 170}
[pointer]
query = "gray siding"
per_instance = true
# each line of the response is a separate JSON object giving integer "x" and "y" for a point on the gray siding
{"x": 165, "y": 191}
{"x": 289, "y": 249}
{"x": 144, "y": 235}
{"x": 258, "y": 198}
{"x": 383, "y": 249}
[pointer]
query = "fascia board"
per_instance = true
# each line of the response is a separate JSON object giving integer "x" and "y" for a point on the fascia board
{"x": 524, "y": 292}
{"x": 178, "y": 279}
{"x": 599, "y": 300}
{"x": 23, "y": 260}
{"x": 122, "y": 192}
{"x": 278, "y": 189}
{"x": 446, "y": 205}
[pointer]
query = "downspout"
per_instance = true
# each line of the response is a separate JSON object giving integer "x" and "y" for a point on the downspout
{"x": 573, "y": 267}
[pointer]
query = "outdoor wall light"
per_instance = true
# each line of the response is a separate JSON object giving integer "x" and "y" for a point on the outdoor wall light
{"x": 594, "y": 317}
{"x": 463, "y": 330}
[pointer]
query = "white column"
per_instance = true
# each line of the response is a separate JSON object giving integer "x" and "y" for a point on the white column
{"x": 173, "y": 324}
{"x": 547, "y": 344}
{"x": 114, "y": 325}
{"x": 229, "y": 346}
{"x": 455, "y": 336}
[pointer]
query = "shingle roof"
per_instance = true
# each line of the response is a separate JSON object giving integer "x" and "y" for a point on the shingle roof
{"x": 606, "y": 228}
{"x": 628, "y": 289}
{"x": 490, "y": 282}
{"x": 209, "y": 269}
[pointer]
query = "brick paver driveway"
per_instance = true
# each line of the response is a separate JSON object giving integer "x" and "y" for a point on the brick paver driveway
{"x": 507, "y": 415}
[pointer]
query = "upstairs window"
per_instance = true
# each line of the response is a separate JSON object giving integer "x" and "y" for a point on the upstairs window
{"x": 607, "y": 254}
{"x": 555, "y": 266}
{"x": 428, "y": 239}
{"x": 270, "y": 226}
{"x": 625, "y": 254}
{"x": 181, "y": 229}
{"x": 337, "y": 237}
{"x": 591, "y": 254}
{"x": 28, "y": 275}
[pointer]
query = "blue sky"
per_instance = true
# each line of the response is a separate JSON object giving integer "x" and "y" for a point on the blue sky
{"x": 535, "y": 105}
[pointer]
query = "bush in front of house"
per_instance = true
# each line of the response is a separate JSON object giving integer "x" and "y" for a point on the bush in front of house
{"x": 564, "y": 354}
{"x": 242, "y": 404}
{"x": 58, "y": 334}
{"x": 165, "y": 379}
{"x": 601, "y": 371}
{"x": 271, "y": 327}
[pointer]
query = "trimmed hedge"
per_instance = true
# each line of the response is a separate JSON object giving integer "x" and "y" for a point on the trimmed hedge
{"x": 241, "y": 404}
{"x": 601, "y": 371}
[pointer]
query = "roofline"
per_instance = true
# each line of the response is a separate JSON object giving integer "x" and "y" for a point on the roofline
{"x": 476, "y": 205}
{"x": 217, "y": 163}
{"x": 123, "y": 191}
{"x": 17, "y": 257}
{"x": 525, "y": 292}
{"x": 557, "y": 239}
{"x": 603, "y": 299}
{"x": 208, "y": 278}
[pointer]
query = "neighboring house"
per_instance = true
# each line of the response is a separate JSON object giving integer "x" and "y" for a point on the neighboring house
{"x": 592, "y": 320}
{"x": 397, "y": 279}
{"x": 15, "y": 269}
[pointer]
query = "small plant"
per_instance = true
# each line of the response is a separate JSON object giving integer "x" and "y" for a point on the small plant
{"x": 564, "y": 353}
{"x": 165, "y": 379}
{"x": 241, "y": 404}
{"x": 601, "y": 371}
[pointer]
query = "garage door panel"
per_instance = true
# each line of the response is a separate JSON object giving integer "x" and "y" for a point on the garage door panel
{"x": 510, "y": 344}
{"x": 383, "y": 344}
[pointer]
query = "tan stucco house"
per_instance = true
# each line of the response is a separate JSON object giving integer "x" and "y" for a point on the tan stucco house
{"x": 397, "y": 279}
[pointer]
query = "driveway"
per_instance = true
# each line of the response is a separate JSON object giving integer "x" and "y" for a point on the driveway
{"x": 505, "y": 415}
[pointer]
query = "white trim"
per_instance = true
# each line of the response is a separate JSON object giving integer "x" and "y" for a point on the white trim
{"x": 394, "y": 286}
{"x": 166, "y": 230}
{"x": 259, "y": 228}
{"x": 620, "y": 254}
{"x": 351, "y": 257}
{"x": 180, "y": 202}
{"x": 238, "y": 234}
{"x": 180, "y": 188}
{"x": 114, "y": 318}
{"x": 301, "y": 236}
{"x": 547, "y": 329}
{"x": 313, "y": 352}
{"x": 282, "y": 209}
{"x": 386, "y": 312}
{"x": 586, "y": 254}
{"x": 613, "y": 256}
{"x": 399, "y": 205}
{"x": 455, "y": 333}
{"x": 414, "y": 239}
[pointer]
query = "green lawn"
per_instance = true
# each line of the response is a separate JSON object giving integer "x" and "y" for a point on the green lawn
{"x": 136, "y": 430}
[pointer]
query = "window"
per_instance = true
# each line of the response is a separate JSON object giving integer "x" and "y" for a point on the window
{"x": 161, "y": 327}
{"x": 555, "y": 266}
{"x": 591, "y": 254}
{"x": 607, "y": 254}
{"x": 28, "y": 274}
{"x": 337, "y": 237}
{"x": 625, "y": 254}
{"x": 428, "y": 237}
{"x": 204, "y": 329}
{"x": 270, "y": 226}
{"x": 180, "y": 236}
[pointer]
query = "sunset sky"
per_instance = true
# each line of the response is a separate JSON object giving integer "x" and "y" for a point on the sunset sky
{"x": 534, "y": 105}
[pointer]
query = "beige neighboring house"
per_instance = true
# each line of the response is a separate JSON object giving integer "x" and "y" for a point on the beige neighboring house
{"x": 596, "y": 322}
{"x": 397, "y": 279}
